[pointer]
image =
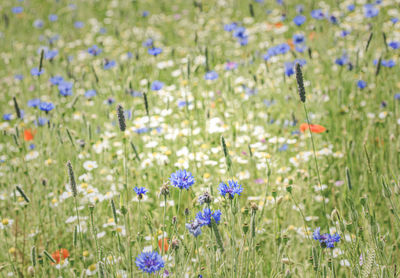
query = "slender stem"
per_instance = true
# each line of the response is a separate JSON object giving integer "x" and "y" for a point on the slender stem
{"x": 233, "y": 240}
{"x": 315, "y": 157}
{"x": 163, "y": 227}
{"x": 79, "y": 226}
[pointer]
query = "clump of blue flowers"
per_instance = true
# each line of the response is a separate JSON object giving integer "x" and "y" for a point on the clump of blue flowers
{"x": 182, "y": 179}
{"x": 204, "y": 217}
{"x": 231, "y": 188}
{"x": 326, "y": 240}
{"x": 149, "y": 262}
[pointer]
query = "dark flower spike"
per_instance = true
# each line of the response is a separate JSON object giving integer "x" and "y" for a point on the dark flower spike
{"x": 19, "y": 189}
{"x": 121, "y": 117}
{"x": 72, "y": 181}
{"x": 17, "y": 110}
{"x": 300, "y": 83}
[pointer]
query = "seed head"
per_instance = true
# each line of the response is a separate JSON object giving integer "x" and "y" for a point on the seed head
{"x": 121, "y": 117}
{"x": 300, "y": 83}
{"x": 72, "y": 181}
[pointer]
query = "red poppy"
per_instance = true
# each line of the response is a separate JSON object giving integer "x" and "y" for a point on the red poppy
{"x": 278, "y": 25}
{"x": 166, "y": 246}
{"x": 29, "y": 134}
{"x": 60, "y": 254}
{"x": 313, "y": 128}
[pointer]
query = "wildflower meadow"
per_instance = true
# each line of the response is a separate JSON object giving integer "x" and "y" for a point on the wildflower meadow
{"x": 201, "y": 138}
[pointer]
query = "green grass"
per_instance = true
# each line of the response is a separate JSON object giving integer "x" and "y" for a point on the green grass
{"x": 265, "y": 232}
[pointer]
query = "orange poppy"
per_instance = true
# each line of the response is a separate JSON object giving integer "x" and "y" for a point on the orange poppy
{"x": 166, "y": 245}
{"x": 311, "y": 36}
{"x": 278, "y": 25}
{"x": 29, "y": 134}
{"x": 60, "y": 254}
{"x": 290, "y": 43}
{"x": 313, "y": 128}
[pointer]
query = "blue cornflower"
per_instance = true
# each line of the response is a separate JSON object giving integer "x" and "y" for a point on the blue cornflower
{"x": 289, "y": 66}
{"x": 41, "y": 121}
{"x": 145, "y": 13}
{"x": 78, "y": 24}
{"x": 7, "y": 117}
{"x": 140, "y": 192}
{"x": 154, "y": 51}
{"x": 142, "y": 130}
{"x": 298, "y": 38}
{"x": 317, "y": 14}
{"x": 94, "y": 50}
{"x": 157, "y": 85}
{"x": 35, "y": 102}
{"x": 351, "y": 7}
{"x": 46, "y": 106}
{"x": 361, "y": 84}
{"x": 31, "y": 146}
{"x": 36, "y": 72}
{"x": 239, "y": 32}
{"x": 283, "y": 148}
{"x": 148, "y": 43}
{"x": 277, "y": 50}
{"x": 394, "y": 44}
{"x": 149, "y": 262}
{"x": 299, "y": 20}
{"x": 232, "y": 188}
{"x": 204, "y": 218}
{"x": 333, "y": 19}
{"x": 230, "y": 27}
{"x": 56, "y": 80}
{"x": 182, "y": 103}
{"x": 370, "y": 10}
{"x": 326, "y": 240}
{"x": 53, "y": 17}
{"x": 388, "y": 63}
{"x": 19, "y": 76}
{"x": 65, "y": 88}
{"x": 182, "y": 179}
{"x": 38, "y": 23}
{"x": 109, "y": 64}
{"x": 90, "y": 93}
{"x": 17, "y": 10}
{"x": 299, "y": 9}
{"x": 344, "y": 33}
{"x": 342, "y": 60}
{"x": 194, "y": 227}
{"x": 394, "y": 20}
{"x": 50, "y": 54}
{"x": 211, "y": 75}
{"x": 397, "y": 96}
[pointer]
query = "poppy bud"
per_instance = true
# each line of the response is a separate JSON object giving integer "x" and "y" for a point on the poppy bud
{"x": 164, "y": 190}
{"x": 175, "y": 244}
